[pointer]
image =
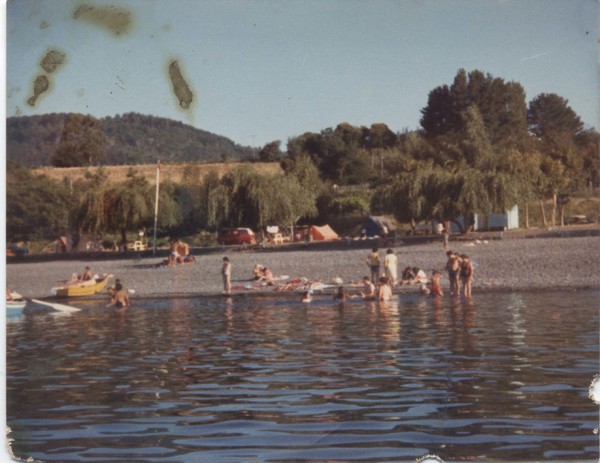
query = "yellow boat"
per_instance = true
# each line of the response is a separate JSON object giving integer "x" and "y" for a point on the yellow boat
{"x": 85, "y": 288}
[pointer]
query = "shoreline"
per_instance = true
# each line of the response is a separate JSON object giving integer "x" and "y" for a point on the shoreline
{"x": 566, "y": 264}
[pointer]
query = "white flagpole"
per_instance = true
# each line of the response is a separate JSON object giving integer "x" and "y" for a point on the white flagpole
{"x": 156, "y": 206}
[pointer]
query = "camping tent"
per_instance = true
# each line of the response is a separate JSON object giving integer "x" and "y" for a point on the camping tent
{"x": 377, "y": 226}
{"x": 322, "y": 233}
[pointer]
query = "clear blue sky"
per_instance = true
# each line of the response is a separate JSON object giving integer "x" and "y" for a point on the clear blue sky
{"x": 264, "y": 70}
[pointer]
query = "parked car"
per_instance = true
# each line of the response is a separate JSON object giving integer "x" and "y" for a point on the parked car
{"x": 578, "y": 220}
{"x": 236, "y": 236}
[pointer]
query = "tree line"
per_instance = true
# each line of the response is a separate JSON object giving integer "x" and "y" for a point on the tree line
{"x": 481, "y": 148}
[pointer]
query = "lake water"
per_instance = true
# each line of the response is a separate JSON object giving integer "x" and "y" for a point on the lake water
{"x": 269, "y": 379}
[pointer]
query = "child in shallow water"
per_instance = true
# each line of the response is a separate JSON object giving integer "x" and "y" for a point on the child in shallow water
{"x": 306, "y": 297}
{"x": 436, "y": 286}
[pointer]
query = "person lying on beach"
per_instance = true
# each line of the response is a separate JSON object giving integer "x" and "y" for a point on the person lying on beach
{"x": 306, "y": 297}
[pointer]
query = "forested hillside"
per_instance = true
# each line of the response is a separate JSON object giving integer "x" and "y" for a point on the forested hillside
{"x": 126, "y": 139}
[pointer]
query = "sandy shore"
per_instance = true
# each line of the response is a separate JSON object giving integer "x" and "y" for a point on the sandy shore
{"x": 533, "y": 263}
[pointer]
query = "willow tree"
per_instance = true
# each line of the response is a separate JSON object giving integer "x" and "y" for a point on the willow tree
{"x": 91, "y": 212}
{"x": 247, "y": 198}
{"x": 130, "y": 204}
{"x": 417, "y": 195}
{"x": 172, "y": 203}
{"x": 526, "y": 177}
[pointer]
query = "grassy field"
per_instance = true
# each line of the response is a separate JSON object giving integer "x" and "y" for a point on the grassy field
{"x": 174, "y": 172}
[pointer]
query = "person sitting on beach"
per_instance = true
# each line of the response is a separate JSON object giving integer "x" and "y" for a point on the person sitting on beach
{"x": 384, "y": 292}
{"x": 306, "y": 297}
{"x": 174, "y": 257}
{"x": 436, "y": 286}
{"x": 466, "y": 274}
{"x": 267, "y": 276}
{"x": 120, "y": 299}
{"x": 183, "y": 249}
{"x": 369, "y": 293}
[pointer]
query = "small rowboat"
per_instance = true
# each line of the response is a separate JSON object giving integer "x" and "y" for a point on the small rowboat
{"x": 15, "y": 308}
{"x": 85, "y": 288}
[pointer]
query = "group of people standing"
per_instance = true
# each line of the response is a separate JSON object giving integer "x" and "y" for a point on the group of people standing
{"x": 459, "y": 268}
{"x": 460, "y": 273}
{"x": 390, "y": 266}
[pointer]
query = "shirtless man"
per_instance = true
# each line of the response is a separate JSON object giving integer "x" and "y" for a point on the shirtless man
{"x": 120, "y": 299}
{"x": 175, "y": 258}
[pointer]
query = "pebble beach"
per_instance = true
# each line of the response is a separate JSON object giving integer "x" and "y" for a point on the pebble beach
{"x": 567, "y": 263}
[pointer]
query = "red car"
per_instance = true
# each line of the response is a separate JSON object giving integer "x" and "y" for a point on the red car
{"x": 236, "y": 236}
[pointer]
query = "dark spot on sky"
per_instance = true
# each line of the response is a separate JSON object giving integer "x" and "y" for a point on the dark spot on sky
{"x": 52, "y": 60}
{"x": 44, "y": 25}
{"x": 114, "y": 19}
{"x": 40, "y": 85}
{"x": 180, "y": 87}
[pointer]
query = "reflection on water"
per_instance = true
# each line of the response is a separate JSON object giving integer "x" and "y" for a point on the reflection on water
{"x": 502, "y": 377}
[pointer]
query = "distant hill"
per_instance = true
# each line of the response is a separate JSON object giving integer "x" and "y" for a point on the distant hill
{"x": 131, "y": 139}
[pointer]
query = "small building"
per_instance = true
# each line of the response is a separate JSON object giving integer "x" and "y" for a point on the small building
{"x": 492, "y": 222}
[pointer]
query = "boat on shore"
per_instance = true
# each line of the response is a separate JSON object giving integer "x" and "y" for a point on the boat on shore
{"x": 83, "y": 288}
